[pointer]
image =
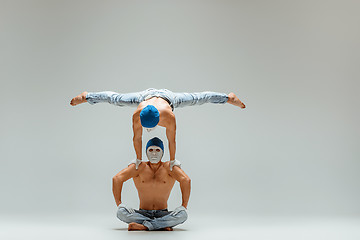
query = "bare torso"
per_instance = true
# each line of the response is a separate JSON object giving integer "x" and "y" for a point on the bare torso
{"x": 166, "y": 119}
{"x": 154, "y": 185}
{"x": 161, "y": 105}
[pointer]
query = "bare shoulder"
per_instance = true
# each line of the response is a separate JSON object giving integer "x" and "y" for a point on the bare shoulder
{"x": 142, "y": 167}
{"x": 167, "y": 113}
{"x": 136, "y": 115}
{"x": 166, "y": 165}
{"x": 169, "y": 119}
{"x": 136, "y": 122}
{"x": 135, "y": 172}
{"x": 175, "y": 171}
{"x": 167, "y": 168}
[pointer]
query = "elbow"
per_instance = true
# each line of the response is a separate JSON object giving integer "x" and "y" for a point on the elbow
{"x": 186, "y": 181}
{"x": 172, "y": 141}
{"x": 136, "y": 139}
{"x": 117, "y": 178}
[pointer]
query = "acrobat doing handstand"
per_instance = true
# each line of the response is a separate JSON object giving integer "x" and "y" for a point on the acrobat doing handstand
{"x": 155, "y": 107}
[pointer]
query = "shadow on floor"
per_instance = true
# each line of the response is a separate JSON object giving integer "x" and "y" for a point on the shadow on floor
{"x": 175, "y": 229}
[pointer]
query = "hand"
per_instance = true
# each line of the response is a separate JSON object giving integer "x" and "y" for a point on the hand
{"x": 177, "y": 210}
{"x": 129, "y": 209}
{"x": 174, "y": 163}
{"x": 137, "y": 163}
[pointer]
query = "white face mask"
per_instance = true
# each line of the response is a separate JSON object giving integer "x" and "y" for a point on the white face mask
{"x": 150, "y": 129}
{"x": 154, "y": 154}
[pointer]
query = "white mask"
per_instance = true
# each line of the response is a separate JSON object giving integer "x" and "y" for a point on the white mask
{"x": 150, "y": 129}
{"x": 154, "y": 154}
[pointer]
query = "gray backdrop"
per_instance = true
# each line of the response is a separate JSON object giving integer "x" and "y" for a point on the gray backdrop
{"x": 295, "y": 64}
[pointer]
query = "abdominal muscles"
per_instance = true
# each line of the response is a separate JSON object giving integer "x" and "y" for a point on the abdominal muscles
{"x": 154, "y": 194}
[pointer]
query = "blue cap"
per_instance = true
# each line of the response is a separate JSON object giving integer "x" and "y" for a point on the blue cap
{"x": 155, "y": 142}
{"x": 149, "y": 116}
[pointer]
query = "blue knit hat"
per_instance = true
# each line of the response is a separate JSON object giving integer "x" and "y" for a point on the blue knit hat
{"x": 155, "y": 142}
{"x": 149, "y": 116}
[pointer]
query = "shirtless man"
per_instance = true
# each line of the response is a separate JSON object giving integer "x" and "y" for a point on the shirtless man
{"x": 153, "y": 181}
{"x": 155, "y": 107}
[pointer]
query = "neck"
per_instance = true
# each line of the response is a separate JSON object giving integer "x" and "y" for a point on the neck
{"x": 155, "y": 166}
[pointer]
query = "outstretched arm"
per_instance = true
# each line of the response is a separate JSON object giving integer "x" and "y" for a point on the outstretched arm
{"x": 137, "y": 139}
{"x": 120, "y": 178}
{"x": 171, "y": 136}
{"x": 185, "y": 184}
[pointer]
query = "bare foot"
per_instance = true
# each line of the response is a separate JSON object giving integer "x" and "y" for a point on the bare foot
{"x": 167, "y": 229}
{"x": 81, "y": 98}
{"x": 136, "y": 227}
{"x": 234, "y": 100}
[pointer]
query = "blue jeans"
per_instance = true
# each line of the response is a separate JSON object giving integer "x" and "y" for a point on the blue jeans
{"x": 152, "y": 219}
{"x": 174, "y": 99}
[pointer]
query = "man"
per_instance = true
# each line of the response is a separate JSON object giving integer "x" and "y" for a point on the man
{"x": 153, "y": 181}
{"x": 155, "y": 107}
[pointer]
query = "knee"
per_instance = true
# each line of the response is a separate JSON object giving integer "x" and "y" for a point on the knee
{"x": 182, "y": 216}
{"x": 123, "y": 215}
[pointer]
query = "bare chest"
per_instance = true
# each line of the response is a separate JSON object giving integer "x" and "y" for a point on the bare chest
{"x": 159, "y": 178}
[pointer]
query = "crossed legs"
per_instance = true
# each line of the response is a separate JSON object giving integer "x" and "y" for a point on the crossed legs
{"x": 138, "y": 221}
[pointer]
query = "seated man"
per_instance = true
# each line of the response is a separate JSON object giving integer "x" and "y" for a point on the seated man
{"x": 154, "y": 181}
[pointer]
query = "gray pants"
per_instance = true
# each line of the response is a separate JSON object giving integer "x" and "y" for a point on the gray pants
{"x": 174, "y": 99}
{"x": 152, "y": 219}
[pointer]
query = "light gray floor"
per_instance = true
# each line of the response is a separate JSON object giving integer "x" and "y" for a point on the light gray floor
{"x": 197, "y": 227}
